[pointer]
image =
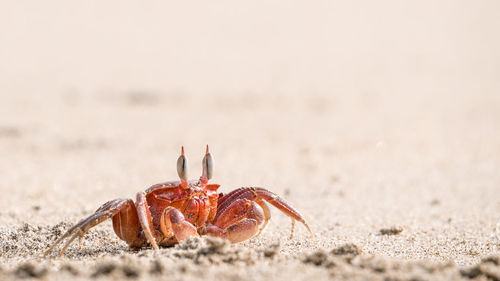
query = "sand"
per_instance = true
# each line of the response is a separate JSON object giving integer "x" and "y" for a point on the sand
{"x": 402, "y": 196}
{"x": 377, "y": 121}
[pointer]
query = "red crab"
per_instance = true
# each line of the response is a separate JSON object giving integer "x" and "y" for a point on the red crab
{"x": 170, "y": 212}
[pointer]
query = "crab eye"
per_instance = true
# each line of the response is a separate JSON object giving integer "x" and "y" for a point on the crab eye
{"x": 182, "y": 166}
{"x": 208, "y": 165}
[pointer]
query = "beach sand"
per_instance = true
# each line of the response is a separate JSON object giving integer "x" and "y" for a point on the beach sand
{"x": 379, "y": 123}
{"x": 417, "y": 195}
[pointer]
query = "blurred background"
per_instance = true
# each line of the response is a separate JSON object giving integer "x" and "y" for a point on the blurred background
{"x": 380, "y": 112}
{"x": 264, "y": 47}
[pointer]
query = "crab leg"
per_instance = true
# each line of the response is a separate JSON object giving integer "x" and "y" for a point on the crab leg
{"x": 104, "y": 212}
{"x": 283, "y": 206}
{"x": 145, "y": 219}
{"x": 257, "y": 195}
{"x": 267, "y": 214}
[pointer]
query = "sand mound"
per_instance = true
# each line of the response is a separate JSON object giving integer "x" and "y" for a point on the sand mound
{"x": 197, "y": 258}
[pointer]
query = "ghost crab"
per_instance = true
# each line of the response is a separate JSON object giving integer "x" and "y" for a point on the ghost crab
{"x": 170, "y": 212}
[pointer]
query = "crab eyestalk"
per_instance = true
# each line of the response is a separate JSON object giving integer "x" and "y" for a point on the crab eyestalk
{"x": 182, "y": 168}
{"x": 208, "y": 167}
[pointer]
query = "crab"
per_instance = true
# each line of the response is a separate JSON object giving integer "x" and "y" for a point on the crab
{"x": 170, "y": 212}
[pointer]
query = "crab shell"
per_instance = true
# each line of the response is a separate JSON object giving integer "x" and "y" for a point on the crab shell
{"x": 197, "y": 202}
